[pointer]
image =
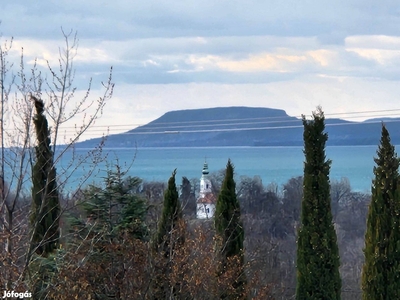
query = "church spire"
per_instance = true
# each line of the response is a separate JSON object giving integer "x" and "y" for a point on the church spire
{"x": 206, "y": 200}
{"x": 205, "y": 169}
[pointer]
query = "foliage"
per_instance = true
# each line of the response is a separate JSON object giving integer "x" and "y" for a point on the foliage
{"x": 115, "y": 217}
{"x": 91, "y": 265}
{"x": 262, "y": 203}
{"x": 171, "y": 214}
{"x": 187, "y": 197}
{"x": 27, "y": 248}
{"x": 46, "y": 204}
{"x": 169, "y": 238}
{"x": 381, "y": 271}
{"x": 230, "y": 236}
{"x": 42, "y": 272}
{"x": 317, "y": 250}
{"x": 116, "y": 206}
{"x": 81, "y": 274}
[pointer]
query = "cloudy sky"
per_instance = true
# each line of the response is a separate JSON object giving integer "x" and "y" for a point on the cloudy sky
{"x": 293, "y": 55}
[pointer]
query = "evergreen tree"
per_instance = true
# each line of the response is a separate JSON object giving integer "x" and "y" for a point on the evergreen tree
{"x": 115, "y": 213}
{"x": 169, "y": 238}
{"x": 230, "y": 236}
{"x": 393, "y": 286}
{"x": 317, "y": 251}
{"x": 381, "y": 271}
{"x": 170, "y": 217}
{"x": 117, "y": 206}
{"x": 45, "y": 211}
{"x": 187, "y": 198}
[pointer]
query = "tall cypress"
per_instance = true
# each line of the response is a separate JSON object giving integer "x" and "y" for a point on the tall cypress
{"x": 393, "y": 287}
{"x": 169, "y": 236}
{"x": 45, "y": 210}
{"x": 380, "y": 277}
{"x": 171, "y": 215}
{"x": 317, "y": 251}
{"x": 230, "y": 235}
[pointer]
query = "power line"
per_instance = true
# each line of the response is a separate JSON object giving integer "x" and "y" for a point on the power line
{"x": 247, "y": 128}
{"x": 175, "y": 129}
{"x": 227, "y": 122}
{"x": 357, "y": 113}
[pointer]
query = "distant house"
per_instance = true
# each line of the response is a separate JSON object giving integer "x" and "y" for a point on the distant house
{"x": 206, "y": 201}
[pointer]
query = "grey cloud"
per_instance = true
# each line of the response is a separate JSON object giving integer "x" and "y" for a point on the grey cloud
{"x": 201, "y": 77}
{"x": 232, "y": 45}
{"x": 126, "y": 19}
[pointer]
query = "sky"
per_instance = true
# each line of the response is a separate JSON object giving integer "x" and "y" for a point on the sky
{"x": 172, "y": 55}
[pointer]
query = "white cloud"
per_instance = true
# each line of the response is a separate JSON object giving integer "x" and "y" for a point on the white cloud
{"x": 324, "y": 57}
{"x": 373, "y": 42}
{"x": 264, "y": 62}
{"x": 384, "y": 50}
{"x": 381, "y": 56}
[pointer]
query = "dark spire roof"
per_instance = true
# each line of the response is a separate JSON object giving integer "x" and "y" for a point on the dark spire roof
{"x": 205, "y": 169}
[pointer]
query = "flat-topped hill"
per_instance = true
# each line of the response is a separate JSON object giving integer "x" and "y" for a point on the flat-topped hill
{"x": 242, "y": 126}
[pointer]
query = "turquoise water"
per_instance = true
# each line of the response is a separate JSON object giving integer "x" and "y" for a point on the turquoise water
{"x": 272, "y": 164}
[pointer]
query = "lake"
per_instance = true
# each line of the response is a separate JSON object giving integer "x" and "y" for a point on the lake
{"x": 272, "y": 164}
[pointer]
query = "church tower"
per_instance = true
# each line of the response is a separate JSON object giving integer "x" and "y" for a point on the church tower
{"x": 206, "y": 200}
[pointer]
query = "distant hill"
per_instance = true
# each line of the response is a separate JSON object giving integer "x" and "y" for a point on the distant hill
{"x": 242, "y": 126}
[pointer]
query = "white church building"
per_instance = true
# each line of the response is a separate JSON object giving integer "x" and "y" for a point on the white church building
{"x": 206, "y": 201}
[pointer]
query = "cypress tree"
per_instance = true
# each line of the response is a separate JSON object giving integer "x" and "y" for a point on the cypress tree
{"x": 393, "y": 287}
{"x": 317, "y": 251}
{"x": 171, "y": 215}
{"x": 380, "y": 277}
{"x": 45, "y": 210}
{"x": 230, "y": 236}
{"x": 169, "y": 237}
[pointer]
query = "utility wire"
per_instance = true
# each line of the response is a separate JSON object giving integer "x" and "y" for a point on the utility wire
{"x": 174, "y": 129}
{"x": 369, "y": 113}
{"x": 247, "y": 128}
{"x": 215, "y": 123}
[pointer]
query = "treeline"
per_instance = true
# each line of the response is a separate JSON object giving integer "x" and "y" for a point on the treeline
{"x": 107, "y": 230}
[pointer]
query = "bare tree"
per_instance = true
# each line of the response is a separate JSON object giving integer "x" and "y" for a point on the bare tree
{"x": 62, "y": 108}
{"x": 14, "y": 131}
{"x": 55, "y": 85}
{"x": 340, "y": 191}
